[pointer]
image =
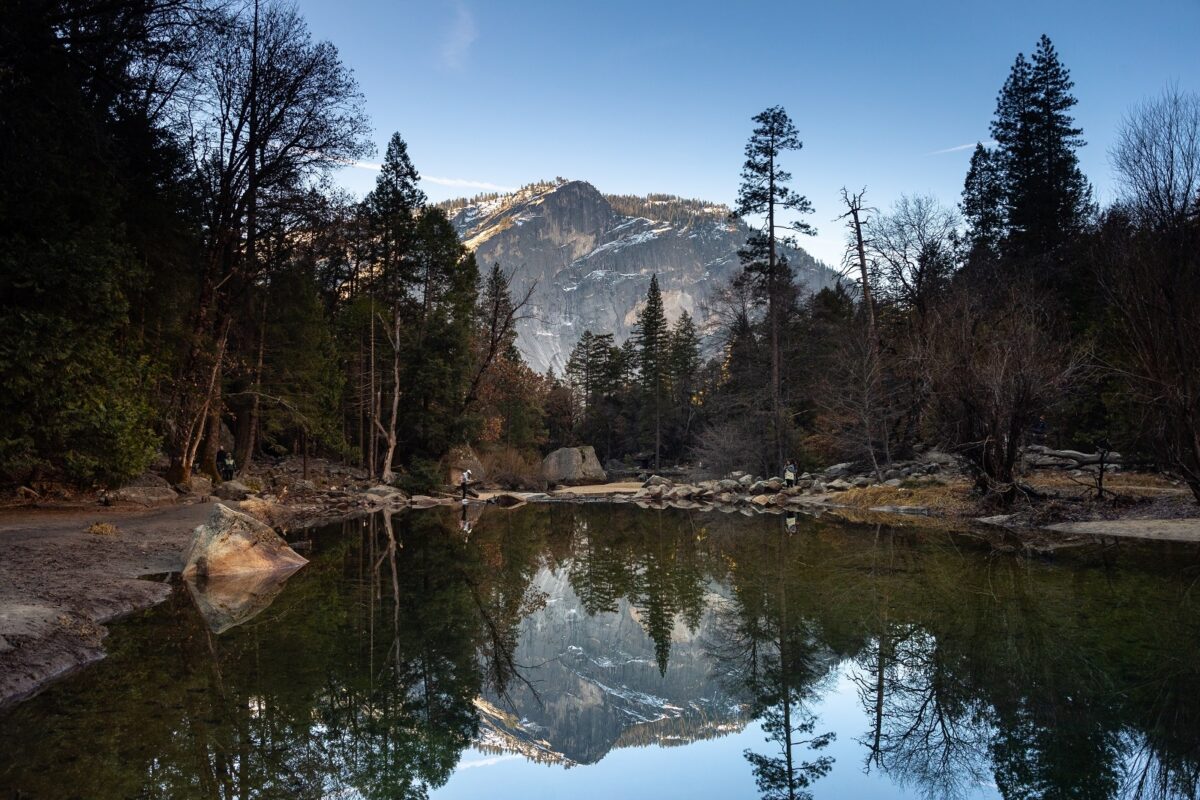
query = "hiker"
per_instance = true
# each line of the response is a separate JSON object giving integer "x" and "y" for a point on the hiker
{"x": 466, "y": 479}
{"x": 789, "y": 474}
{"x": 224, "y": 465}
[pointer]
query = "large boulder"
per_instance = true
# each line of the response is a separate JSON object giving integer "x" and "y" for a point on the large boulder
{"x": 232, "y": 490}
{"x": 147, "y": 489}
{"x": 573, "y": 466}
{"x": 458, "y": 460}
{"x": 232, "y": 543}
{"x": 196, "y": 484}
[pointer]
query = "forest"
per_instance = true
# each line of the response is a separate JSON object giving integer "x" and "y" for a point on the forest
{"x": 177, "y": 270}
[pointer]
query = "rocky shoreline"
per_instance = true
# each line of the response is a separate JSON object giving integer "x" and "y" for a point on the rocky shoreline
{"x": 65, "y": 572}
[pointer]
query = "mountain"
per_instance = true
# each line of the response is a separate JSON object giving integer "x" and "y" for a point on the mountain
{"x": 592, "y": 255}
{"x": 594, "y": 684}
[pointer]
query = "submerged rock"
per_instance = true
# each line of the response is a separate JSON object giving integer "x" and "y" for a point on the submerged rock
{"x": 232, "y": 543}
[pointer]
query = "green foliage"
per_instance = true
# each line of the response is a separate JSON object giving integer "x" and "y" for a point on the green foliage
{"x": 75, "y": 405}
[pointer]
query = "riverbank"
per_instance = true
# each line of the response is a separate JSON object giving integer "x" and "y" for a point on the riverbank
{"x": 68, "y": 570}
{"x": 61, "y": 584}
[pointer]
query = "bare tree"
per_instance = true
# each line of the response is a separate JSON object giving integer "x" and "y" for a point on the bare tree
{"x": 1148, "y": 262}
{"x": 993, "y": 368}
{"x": 915, "y": 247}
{"x": 1157, "y": 160}
{"x": 857, "y": 252}
{"x": 856, "y": 417}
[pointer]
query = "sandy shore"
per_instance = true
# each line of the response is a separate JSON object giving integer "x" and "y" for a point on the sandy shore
{"x": 59, "y": 585}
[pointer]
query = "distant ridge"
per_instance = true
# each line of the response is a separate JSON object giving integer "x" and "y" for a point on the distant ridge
{"x": 592, "y": 256}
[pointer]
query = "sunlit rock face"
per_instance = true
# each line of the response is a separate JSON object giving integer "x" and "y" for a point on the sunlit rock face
{"x": 594, "y": 682}
{"x": 591, "y": 257}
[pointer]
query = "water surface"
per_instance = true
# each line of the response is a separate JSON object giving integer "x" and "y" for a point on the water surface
{"x": 608, "y": 651}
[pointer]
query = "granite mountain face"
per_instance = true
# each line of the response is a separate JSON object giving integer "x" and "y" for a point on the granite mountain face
{"x": 592, "y": 256}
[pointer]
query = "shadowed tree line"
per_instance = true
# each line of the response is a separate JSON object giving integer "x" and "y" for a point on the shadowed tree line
{"x": 179, "y": 276}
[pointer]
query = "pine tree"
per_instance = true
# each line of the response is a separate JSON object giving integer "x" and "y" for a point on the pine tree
{"x": 764, "y": 190}
{"x": 1046, "y": 197}
{"x": 683, "y": 376}
{"x": 982, "y": 205}
{"x": 653, "y": 339}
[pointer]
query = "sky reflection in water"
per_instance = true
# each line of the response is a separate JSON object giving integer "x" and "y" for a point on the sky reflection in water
{"x": 598, "y": 651}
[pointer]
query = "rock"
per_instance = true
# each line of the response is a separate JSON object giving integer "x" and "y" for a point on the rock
{"x": 655, "y": 492}
{"x": 938, "y": 457}
{"x": 232, "y": 490}
{"x": 383, "y": 490}
{"x": 839, "y": 470}
{"x": 893, "y": 482}
{"x": 861, "y": 482}
{"x": 761, "y": 500}
{"x": 736, "y": 475}
{"x": 507, "y": 500}
{"x": 573, "y": 466}
{"x": 147, "y": 489}
{"x": 817, "y": 487}
{"x": 774, "y": 484}
{"x": 197, "y": 484}
{"x": 681, "y": 492}
{"x": 745, "y": 481}
{"x": 232, "y": 543}
{"x": 657, "y": 480}
{"x": 425, "y": 501}
{"x": 459, "y": 459}
{"x": 758, "y": 487}
{"x": 891, "y": 474}
{"x": 728, "y": 485}
{"x": 303, "y": 485}
{"x": 806, "y": 476}
{"x": 838, "y": 485}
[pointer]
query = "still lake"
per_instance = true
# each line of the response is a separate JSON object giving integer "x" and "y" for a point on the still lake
{"x": 601, "y": 651}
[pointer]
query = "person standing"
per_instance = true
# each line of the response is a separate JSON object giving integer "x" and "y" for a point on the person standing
{"x": 789, "y": 474}
{"x": 466, "y": 479}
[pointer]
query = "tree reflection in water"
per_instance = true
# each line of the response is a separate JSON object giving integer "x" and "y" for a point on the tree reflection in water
{"x": 368, "y": 672}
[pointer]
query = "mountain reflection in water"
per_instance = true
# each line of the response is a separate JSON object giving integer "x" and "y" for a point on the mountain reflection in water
{"x": 782, "y": 664}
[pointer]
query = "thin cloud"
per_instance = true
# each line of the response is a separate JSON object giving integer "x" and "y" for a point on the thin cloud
{"x": 457, "y": 183}
{"x": 960, "y": 147}
{"x": 463, "y": 33}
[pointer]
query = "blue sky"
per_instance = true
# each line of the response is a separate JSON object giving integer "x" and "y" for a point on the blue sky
{"x": 641, "y": 97}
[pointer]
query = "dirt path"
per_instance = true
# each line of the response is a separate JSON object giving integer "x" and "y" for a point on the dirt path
{"x": 59, "y": 584}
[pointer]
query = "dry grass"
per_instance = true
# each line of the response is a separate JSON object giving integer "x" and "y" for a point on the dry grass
{"x": 1135, "y": 483}
{"x": 952, "y": 498}
{"x": 511, "y": 469}
{"x": 103, "y": 529}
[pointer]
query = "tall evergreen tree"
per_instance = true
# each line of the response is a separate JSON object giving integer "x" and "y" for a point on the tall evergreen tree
{"x": 1046, "y": 197}
{"x": 764, "y": 191}
{"x": 653, "y": 340}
